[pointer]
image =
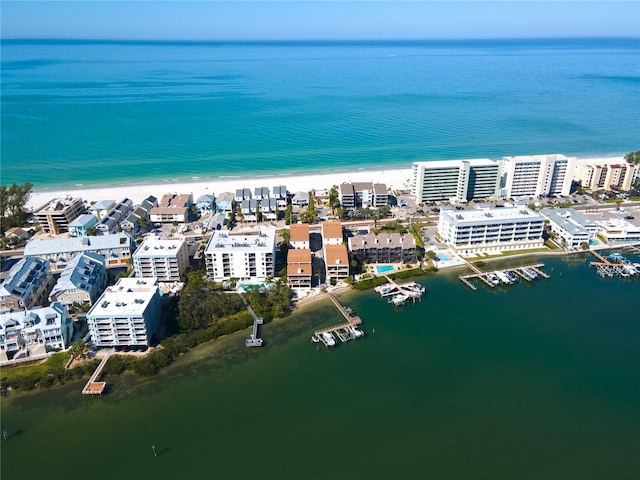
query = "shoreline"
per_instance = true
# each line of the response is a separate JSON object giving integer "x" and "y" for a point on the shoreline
{"x": 393, "y": 178}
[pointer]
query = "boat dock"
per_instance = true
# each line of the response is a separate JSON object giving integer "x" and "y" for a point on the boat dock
{"x": 345, "y": 331}
{"x": 614, "y": 265}
{"x": 254, "y": 340}
{"x": 504, "y": 276}
{"x": 96, "y": 388}
{"x": 400, "y": 293}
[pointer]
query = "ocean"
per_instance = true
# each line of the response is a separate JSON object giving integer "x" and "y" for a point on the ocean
{"x": 535, "y": 381}
{"x": 101, "y": 113}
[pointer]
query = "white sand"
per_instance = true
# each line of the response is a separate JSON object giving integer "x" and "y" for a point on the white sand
{"x": 396, "y": 179}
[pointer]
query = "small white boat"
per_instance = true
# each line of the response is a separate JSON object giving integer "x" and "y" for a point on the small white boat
{"x": 357, "y": 332}
{"x": 493, "y": 278}
{"x": 329, "y": 341}
{"x": 315, "y": 339}
{"x": 399, "y": 299}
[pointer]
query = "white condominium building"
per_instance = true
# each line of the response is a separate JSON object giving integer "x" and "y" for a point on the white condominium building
{"x": 605, "y": 173}
{"x": 455, "y": 180}
{"x": 165, "y": 259}
{"x": 243, "y": 257}
{"x": 27, "y": 333}
{"x": 125, "y": 314}
{"x": 572, "y": 227}
{"x": 536, "y": 175}
{"x": 491, "y": 230}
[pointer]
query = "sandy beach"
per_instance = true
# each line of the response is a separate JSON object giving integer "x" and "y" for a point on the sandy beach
{"x": 396, "y": 179}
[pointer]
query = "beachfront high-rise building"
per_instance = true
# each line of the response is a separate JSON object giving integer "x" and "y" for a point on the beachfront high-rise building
{"x": 537, "y": 175}
{"x": 605, "y": 173}
{"x": 54, "y": 217}
{"x": 248, "y": 258}
{"x": 455, "y": 180}
{"x": 491, "y": 230}
{"x": 126, "y": 314}
{"x": 167, "y": 260}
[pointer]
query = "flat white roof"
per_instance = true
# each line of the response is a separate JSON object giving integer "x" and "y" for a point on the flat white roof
{"x": 129, "y": 297}
{"x": 154, "y": 247}
{"x": 476, "y": 162}
{"x": 264, "y": 241}
{"x": 492, "y": 215}
{"x": 76, "y": 244}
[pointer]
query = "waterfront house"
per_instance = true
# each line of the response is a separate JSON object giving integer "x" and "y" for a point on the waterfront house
{"x": 280, "y": 194}
{"x": 269, "y": 208}
{"x": 115, "y": 247}
{"x": 172, "y": 208}
{"x": 618, "y": 230}
{"x": 300, "y": 199}
{"x": 573, "y": 227}
{"x": 17, "y": 233}
{"x": 27, "y": 284}
{"x": 224, "y": 202}
{"x": 336, "y": 260}
{"x": 383, "y": 248}
{"x": 205, "y": 203}
{"x": 33, "y": 332}
{"x": 363, "y": 194}
{"x": 242, "y": 194}
{"x": 167, "y": 260}
{"x": 54, "y": 216}
{"x": 299, "y": 268}
{"x": 101, "y": 208}
{"x": 79, "y": 226}
{"x": 332, "y": 233}
{"x": 249, "y": 258}
{"x": 82, "y": 281}
{"x": 133, "y": 223}
{"x": 261, "y": 193}
{"x": 126, "y": 314}
{"x": 249, "y": 210}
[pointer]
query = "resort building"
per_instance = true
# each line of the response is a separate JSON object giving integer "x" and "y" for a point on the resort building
{"x": 27, "y": 284}
{"x": 101, "y": 208}
{"x": 605, "y": 174}
{"x": 84, "y": 222}
{"x": 110, "y": 222}
{"x": 618, "y": 230}
{"x": 571, "y": 226}
{"x": 126, "y": 314}
{"x": 336, "y": 260}
{"x": 299, "y": 235}
{"x": 248, "y": 258}
{"x": 383, "y": 248}
{"x": 299, "y": 270}
{"x": 537, "y": 175}
{"x": 492, "y": 230}
{"x": 332, "y": 233}
{"x": 455, "y": 180}
{"x": 34, "y": 332}
{"x": 116, "y": 248}
{"x": 363, "y": 194}
{"x": 167, "y": 260}
{"x": 280, "y": 194}
{"x": 82, "y": 281}
{"x": 224, "y": 203}
{"x": 172, "y": 208}
{"x": 55, "y": 216}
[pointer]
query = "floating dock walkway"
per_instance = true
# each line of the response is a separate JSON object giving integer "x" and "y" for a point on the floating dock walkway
{"x": 411, "y": 290}
{"x": 345, "y": 331}
{"x": 254, "y": 340}
{"x": 614, "y": 265}
{"x": 504, "y": 276}
{"x": 96, "y": 388}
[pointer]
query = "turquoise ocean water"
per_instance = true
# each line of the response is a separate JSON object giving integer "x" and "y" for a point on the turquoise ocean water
{"x": 128, "y": 112}
{"x": 536, "y": 381}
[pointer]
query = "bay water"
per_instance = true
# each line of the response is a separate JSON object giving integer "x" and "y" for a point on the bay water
{"x": 537, "y": 380}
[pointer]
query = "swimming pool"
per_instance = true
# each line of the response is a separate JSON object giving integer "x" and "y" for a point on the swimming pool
{"x": 443, "y": 257}
{"x": 592, "y": 242}
{"x": 384, "y": 268}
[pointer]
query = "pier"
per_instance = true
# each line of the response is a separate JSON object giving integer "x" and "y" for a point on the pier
{"x": 411, "y": 290}
{"x": 504, "y": 276}
{"x": 345, "y": 331}
{"x": 93, "y": 387}
{"x": 254, "y": 340}
{"x": 614, "y": 265}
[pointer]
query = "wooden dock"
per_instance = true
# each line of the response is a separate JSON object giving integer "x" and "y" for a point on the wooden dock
{"x": 254, "y": 340}
{"x": 344, "y": 331}
{"x": 93, "y": 387}
{"x": 517, "y": 270}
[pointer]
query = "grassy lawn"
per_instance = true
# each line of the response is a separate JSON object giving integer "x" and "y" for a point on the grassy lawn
{"x": 57, "y": 361}
{"x": 510, "y": 253}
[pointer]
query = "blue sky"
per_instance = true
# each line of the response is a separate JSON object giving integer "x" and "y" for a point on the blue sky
{"x": 312, "y": 20}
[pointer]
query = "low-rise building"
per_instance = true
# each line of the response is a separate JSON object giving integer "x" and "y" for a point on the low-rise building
{"x": 492, "y": 230}
{"x": 82, "y": 281}
{"x": 363, "y": 194}
{"x": 299, "y": 270}
{"x": 84, "y": 222}
{"x": 27, "y": 284}
{"x": 205, "y": 203}
{"x": 166, "y": 260}
{"x": 332, "y": 233}
{"x": 249, "y": 210}
{"x": 383, "y": 248}
{"x": 261, "y": 193}
{"x": 269, "y": 208}
{"x": 54, "y": 217}
{"x": 573, "y": 227}
{"x": 101, "y": 208}
{"x": 618, "y": 230}
{"x": 17, "y": 233}
{"x": 299, "y": 235}
{"x": 126, "y": 314}
{"x": 35, "y": 331}
{"x": 172, "y": 208}
{"x": 249, "y": 258}
{"x": 300, "y": 199}
{"x": 242, "y": 194}
{"x": 336, "y": 260}
{"x": 110, "y": 222}
{"x": 280, "y": 194}
{"x": 116, "y": 248}
{"x": 224, "y": 202}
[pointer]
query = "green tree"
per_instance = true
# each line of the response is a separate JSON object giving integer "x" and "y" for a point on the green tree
{"x": 288, "y": 213}
{"x": 334, "y": 199}
{"x": 633, "y": 157}
{"x": 12, "y": 202}
{"x": 78, "y": 348}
